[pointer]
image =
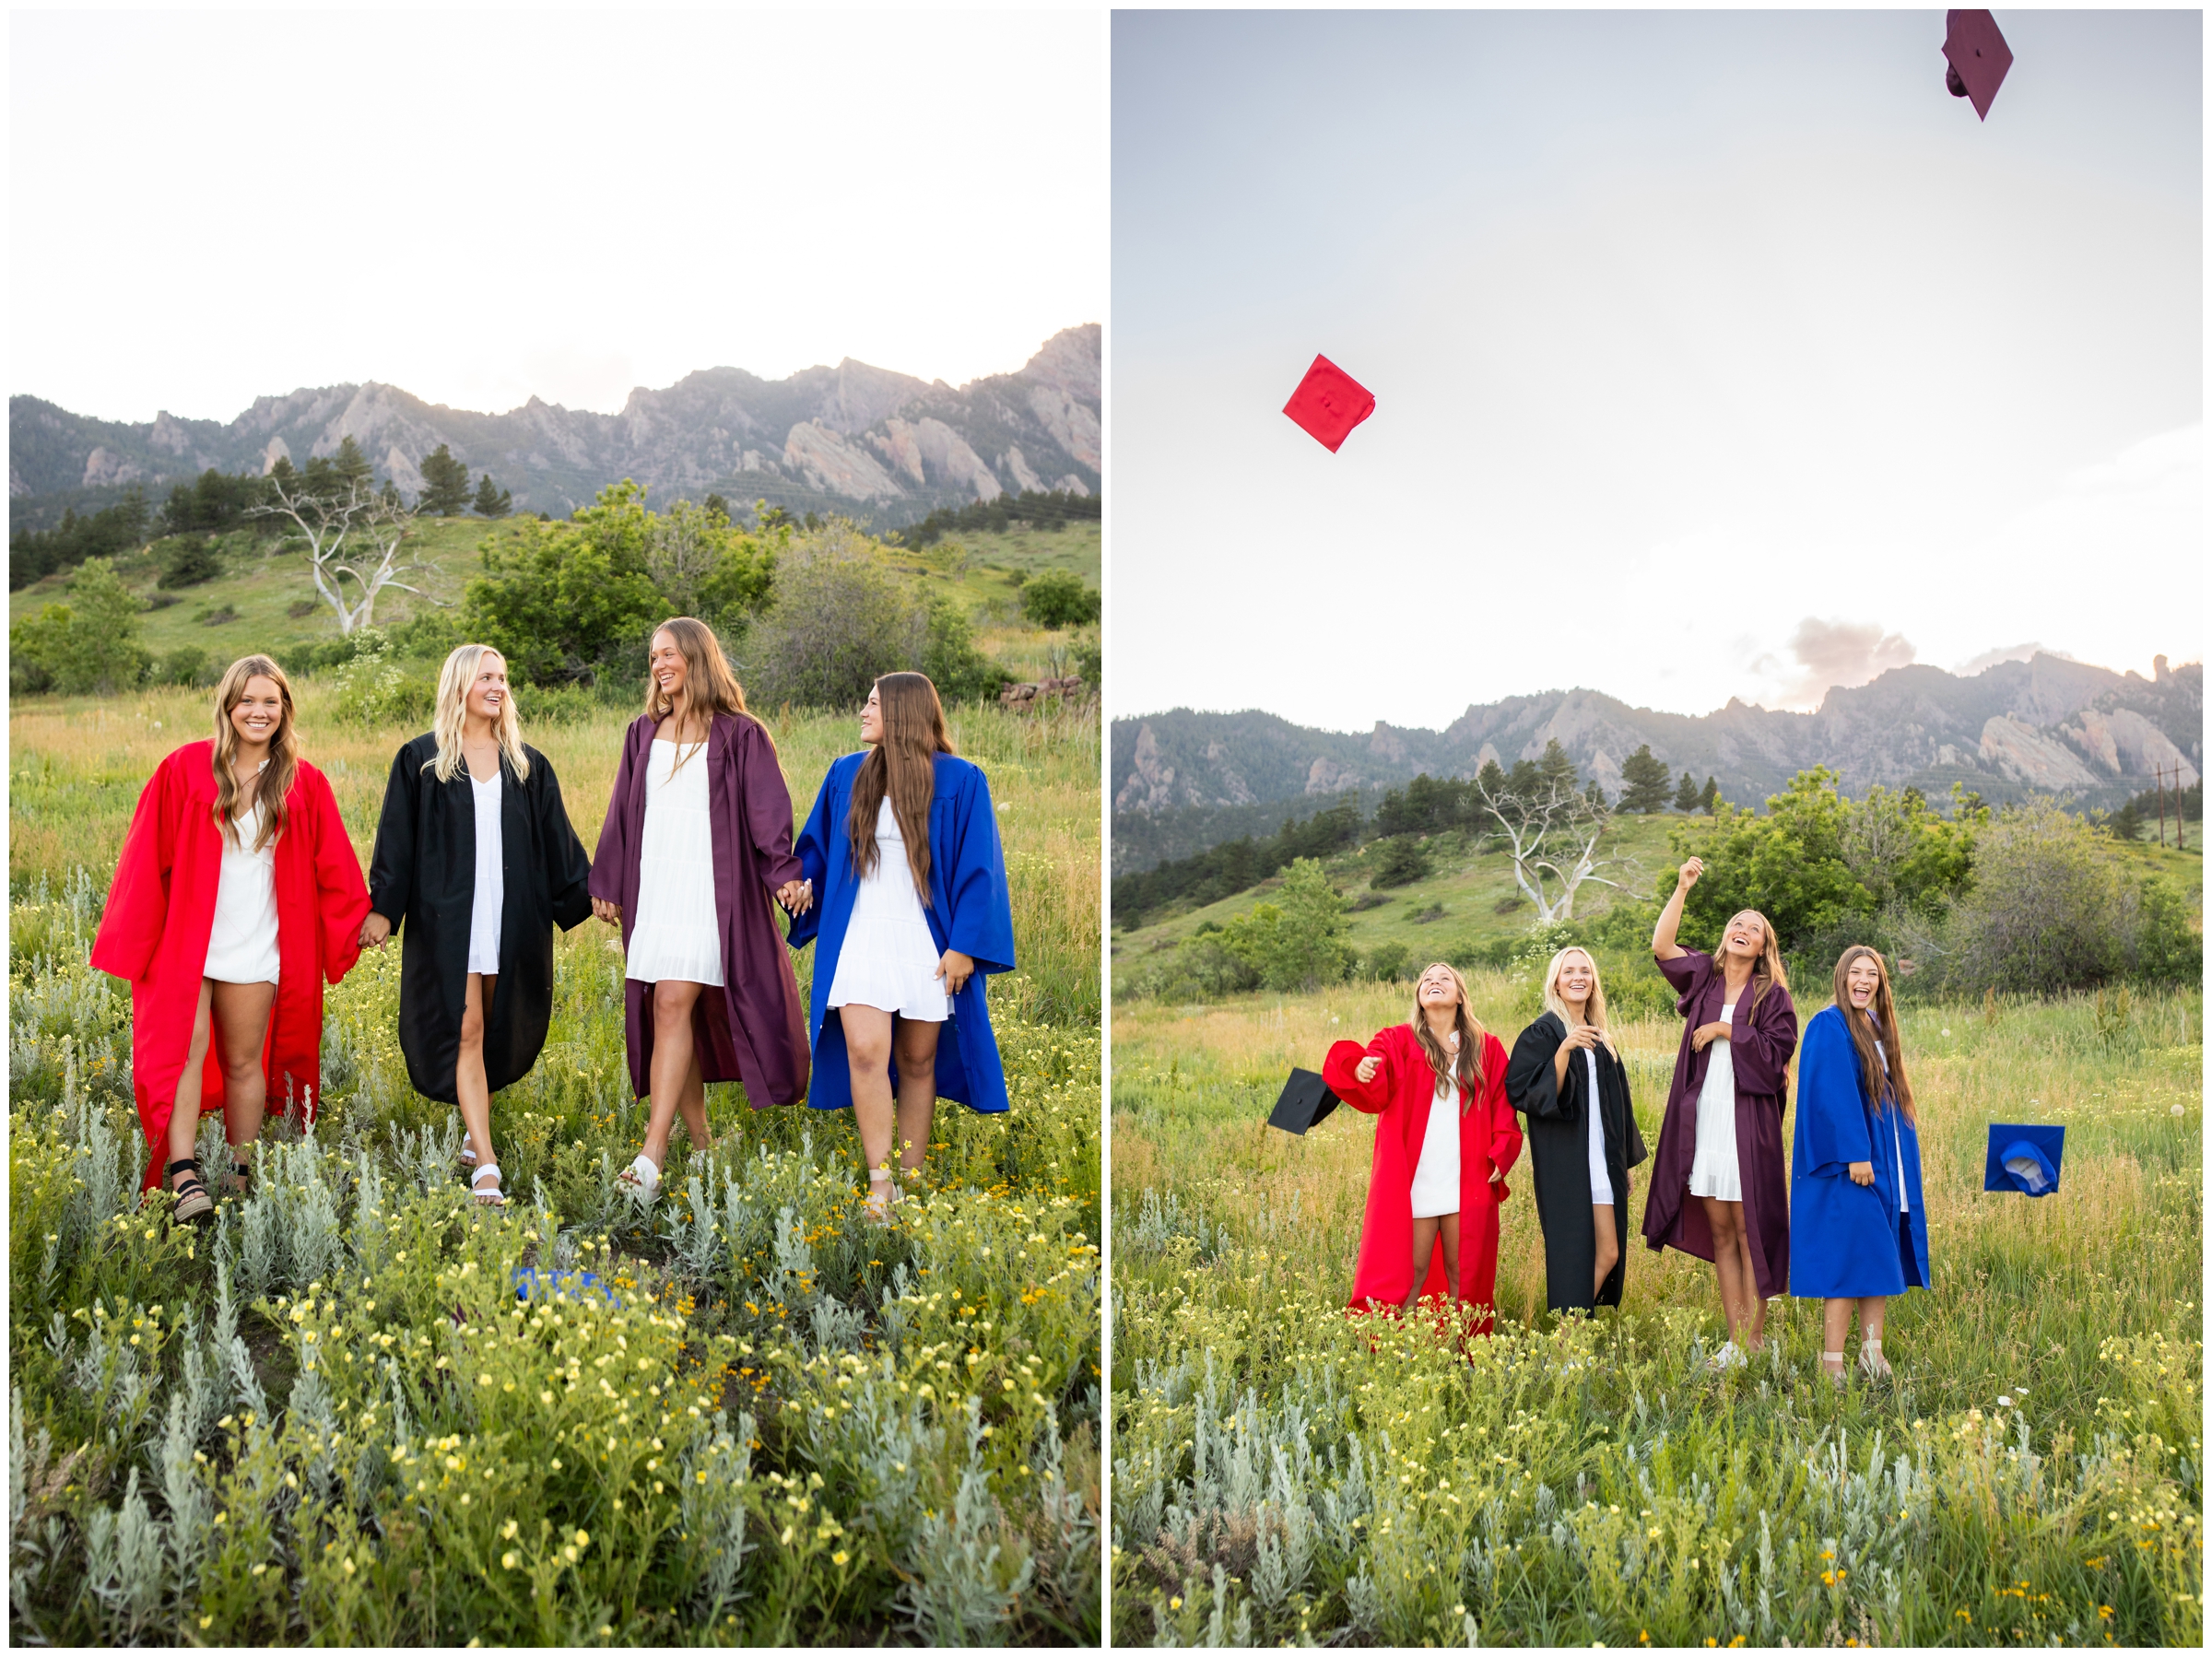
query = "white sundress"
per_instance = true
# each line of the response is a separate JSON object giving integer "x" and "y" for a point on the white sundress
{"x": 1601, "y": 1177}
{"x": 241, "y": 946}
{"x": 1436, "y": 1176}
{"x": 1713, "y": 1173}
{"x": 484, "y": 915}
{"x": 677, "y": 933}
{"x": 888, "y": 959}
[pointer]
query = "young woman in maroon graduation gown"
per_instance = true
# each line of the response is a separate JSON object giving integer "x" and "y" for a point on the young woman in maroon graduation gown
{"x": 698, "y": 839}
{"x": 1445, "y": 1137}
{"x": 1720, "y": 1184}
{"x": 236, "y": 896}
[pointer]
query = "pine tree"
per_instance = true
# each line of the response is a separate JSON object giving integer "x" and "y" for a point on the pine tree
{"x": 715, "y": 503}
{"x": 1709, "y": 801}
{"x": 351, "y": 465}
{"x": 1555, "y": 768}
{"x": 1686, "y": 795}
{"x": 444, "y": 485}
{"x": 491, "y": 501}
{"x": 1644, "y": 779}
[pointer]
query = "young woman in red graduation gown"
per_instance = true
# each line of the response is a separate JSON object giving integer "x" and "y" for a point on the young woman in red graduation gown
{"x": 236, "y": 896}
{"x": 1445, "y": 1137}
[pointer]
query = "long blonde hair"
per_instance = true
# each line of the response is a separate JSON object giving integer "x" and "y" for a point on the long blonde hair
{"x": 708, "y": 685}
{"x": 1878, "y": 1023}
{"x": 454, "y": 681}
{"x": 1467, "y": 1069}
{"x": 283, "y": 752}
{"x": 1766, "y": 968}
{"x": 1594, "y": 1010}
{"x": 904, "y": 766}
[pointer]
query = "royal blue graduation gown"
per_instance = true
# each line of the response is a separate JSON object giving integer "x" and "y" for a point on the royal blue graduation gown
{"x": 1849, "y": 1240}
{"x": 968, "y": 910}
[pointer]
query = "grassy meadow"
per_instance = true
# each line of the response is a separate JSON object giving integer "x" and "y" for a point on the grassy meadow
{"x": 327, "y": 1419}
{"x": 2032, "y": 1474}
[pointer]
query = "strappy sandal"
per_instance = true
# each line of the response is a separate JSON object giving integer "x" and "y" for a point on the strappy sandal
{"x": 495, "y": 1197}
{"x": 878, "y": 1205}
{"x": 193, "y": 1204}
{"x": 642, "y": 1179}
{"x": 1871, "y": 1358}
{"x": 1836, "y": 1374}
{"x": 241, "y": 1175}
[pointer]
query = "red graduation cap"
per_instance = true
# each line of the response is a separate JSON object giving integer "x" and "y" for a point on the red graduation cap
{"x": 1328, "y": 402}
{"x": 1979, "y": 58}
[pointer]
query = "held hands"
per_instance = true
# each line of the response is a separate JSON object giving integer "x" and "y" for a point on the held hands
{"x": 1686, "y": 875}
{"x": 1367, "y": 1069}
{"x": 609, "y": 913}
{"x": 797, "y": 895}
{"x": 955, "y": 969}
{"x": 1715, "y": 1032}
{"x": 1861, "y": 1173}
{"x": 375, "y": 930}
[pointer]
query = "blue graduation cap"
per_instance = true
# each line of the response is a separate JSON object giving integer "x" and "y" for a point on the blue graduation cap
{"x": 533, "y": 1284}
{"x": 2023, "y": 1157}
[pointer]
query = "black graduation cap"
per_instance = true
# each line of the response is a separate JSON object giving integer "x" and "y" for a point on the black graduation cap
{"x": 1306, "y": 1099}
{"x": 1979, "y": 58}
{"x": 2023, "y": 1157}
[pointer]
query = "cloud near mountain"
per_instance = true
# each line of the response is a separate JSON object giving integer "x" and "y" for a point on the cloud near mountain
{"x": 878, "y": 444}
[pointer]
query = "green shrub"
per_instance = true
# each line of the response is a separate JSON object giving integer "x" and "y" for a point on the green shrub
{"x": 838, "y": 623}
{"x": 1386, "y": 962}
{"x": 187, "y": 664}
{"x": 192, "y": 559}
{"x": 555, "y": 599}
{"x": 1059, "y": 598}
{"x": 960, "y": 672}
{"x": 372, "y": 689}
{"x": 87, "y": 646}
{"x": 1399, "y": 861}
{"x": 1297, "y": 941}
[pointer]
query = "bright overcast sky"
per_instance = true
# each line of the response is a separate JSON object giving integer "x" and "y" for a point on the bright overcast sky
{"x": 481, "y": 206}
{"x": 1716, "y": 354}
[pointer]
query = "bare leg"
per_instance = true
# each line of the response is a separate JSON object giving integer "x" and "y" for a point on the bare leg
{"x": 915, "y": 1043}
{"x": 1835, "y": 1328}
{"x": 1755, "y": 1303}
{"x": 1726, "y": 1219}
{"x": 1874, "y": 1311}
{"x": 1608, "y": 1245}
{"x": 1424, "y": 1245}
{"x": 469, "y": 1085}
{"x": 184, "y": 1116}
{"x": 868, "y": 1052}
{"x": 1448, "y": 1231}
{"x": 675, "y": 1072}
{"x": 691, "y": 1104}
{"x": 240, "y": 1016}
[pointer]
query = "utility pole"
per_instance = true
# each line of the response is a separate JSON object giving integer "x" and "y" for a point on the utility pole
{"x": 2158, "y": 773}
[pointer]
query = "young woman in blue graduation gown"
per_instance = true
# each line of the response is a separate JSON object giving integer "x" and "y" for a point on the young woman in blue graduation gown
{"x": 911, "y": 915}
{"x": 1859, "y": 1228}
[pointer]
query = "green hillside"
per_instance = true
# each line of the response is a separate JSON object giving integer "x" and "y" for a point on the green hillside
{"x": 265, "y": 598}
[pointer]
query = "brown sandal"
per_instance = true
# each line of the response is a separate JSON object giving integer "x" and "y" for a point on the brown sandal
{"x": 193, "y": 1204}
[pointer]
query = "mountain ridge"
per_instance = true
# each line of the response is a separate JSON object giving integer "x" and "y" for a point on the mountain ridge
{"x": 2046, "y": 724}
{"x": 879, "y": 445}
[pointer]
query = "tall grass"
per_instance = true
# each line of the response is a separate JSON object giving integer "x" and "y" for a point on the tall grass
{"x": 2033, "y": 1471}
{"x": 331, "y": 1420}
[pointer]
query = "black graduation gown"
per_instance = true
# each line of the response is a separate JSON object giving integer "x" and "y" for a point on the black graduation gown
{"x": 422, "y": 878}
{"x": 1559, "y": 1158}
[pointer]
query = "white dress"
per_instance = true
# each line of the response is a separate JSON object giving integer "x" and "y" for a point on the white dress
{"x": 1713, "y": 1173}
{"x": 242, "y": 948}
{"x": 1601, "y": 1177}
{"x": 1436, "y": 1176}
{"x": 677, "y": 933}
{"x": 888, "y": 959}
{"x": 491, "y": 879}
{"x": 1897, "y": 1137}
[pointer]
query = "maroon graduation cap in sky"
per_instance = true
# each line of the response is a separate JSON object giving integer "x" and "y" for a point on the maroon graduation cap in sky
{"x": 1979, "y": 58}
{"x": 1328, "y": 402}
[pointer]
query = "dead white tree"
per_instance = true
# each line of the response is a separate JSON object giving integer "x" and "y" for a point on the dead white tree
{"x": 355, "y": 536}
{"x": 1555, "y": 834}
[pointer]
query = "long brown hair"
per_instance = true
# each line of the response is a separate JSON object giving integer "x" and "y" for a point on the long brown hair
{"x": 1883, "y": 1069}
{"x": 709, "y": 683}
{"x": 1766, "y": 969}
{"x": 1466, "y": 1070}
{"x": 283, "y": 752}
{"x": 903, "y": 765}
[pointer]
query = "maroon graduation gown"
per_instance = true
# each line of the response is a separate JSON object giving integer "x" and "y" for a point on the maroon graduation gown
{"x": 753, "y": 1029}
{"x": 1760, "y": 1050}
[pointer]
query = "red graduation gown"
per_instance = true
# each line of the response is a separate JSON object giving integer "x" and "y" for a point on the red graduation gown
{"x": 160, "y": 911}
{"x": 1489, "y": 1136}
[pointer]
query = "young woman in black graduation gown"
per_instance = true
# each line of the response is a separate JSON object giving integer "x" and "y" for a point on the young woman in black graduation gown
{"x": 1567, "y": 1079}
{"x": 475, "y": 864}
